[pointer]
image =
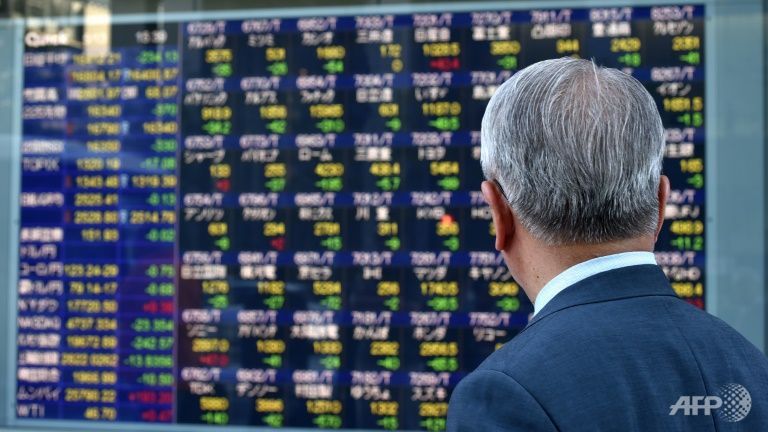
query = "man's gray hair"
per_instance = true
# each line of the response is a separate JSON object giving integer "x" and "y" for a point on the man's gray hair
{"x": 577, "y": 149}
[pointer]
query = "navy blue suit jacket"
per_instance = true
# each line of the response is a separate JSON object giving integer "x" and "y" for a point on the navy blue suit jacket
{"x": 615, "y": 352}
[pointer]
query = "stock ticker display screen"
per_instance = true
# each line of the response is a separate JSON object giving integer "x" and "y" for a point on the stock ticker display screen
{"x": 277, "y": 222}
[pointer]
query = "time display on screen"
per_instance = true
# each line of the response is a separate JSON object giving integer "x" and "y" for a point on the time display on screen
{"x": 277, "y": 222}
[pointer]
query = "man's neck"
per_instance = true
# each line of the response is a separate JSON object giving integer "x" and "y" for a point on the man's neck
{"x": 539, "y": 264}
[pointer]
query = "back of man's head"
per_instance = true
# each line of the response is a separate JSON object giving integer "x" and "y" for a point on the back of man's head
{"x": 577, "y": 148}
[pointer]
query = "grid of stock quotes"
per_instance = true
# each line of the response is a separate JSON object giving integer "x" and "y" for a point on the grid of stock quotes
{"x": 277, "y": 222}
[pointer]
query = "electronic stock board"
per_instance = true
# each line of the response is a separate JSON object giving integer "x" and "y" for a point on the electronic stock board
{"x": 276, "y": 221}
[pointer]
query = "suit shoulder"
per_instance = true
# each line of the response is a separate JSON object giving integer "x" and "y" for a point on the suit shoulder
{"x": 600, "y": 326}
{"x": 703, "y": 329}
{"x": 580, "y": 335}
{"x": 517, "y": 353}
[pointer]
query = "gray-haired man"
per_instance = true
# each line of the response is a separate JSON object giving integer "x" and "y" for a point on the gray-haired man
{"x": 572, "y": 153}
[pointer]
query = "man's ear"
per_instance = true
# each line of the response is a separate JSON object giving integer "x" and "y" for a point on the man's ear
{"x": 663, "y": 196}
{"x": 503, "y": 220}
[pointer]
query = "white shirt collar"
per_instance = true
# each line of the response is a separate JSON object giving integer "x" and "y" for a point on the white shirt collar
{"x": 586, "y": 269}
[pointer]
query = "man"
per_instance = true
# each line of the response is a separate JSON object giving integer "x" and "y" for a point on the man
{"x": 572, "y": 153}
